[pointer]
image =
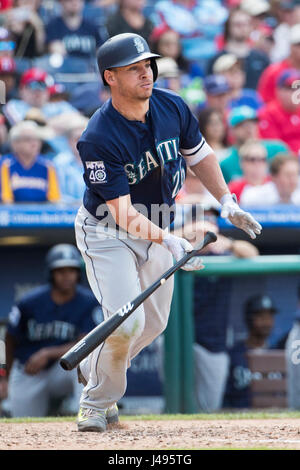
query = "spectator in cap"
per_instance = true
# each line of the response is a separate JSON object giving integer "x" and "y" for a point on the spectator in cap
{"x": 25, "y": 175}
{"x": 259, "y": 312}
{"x": 129, "y": 17}
{"x": 283, "y": 187}
{"x": 34, "y": 93}
{"x": 268, "y": 80}
{"x": 292, "y": 360}
{"x": 68, "y": 163}
{"x": 243, "y": 125}
{"x": 288, "y": 14}
{"x": 253, "y": 162}
{"x": 258, "y": 11}
{"x": 169, "y": 75}
{"x": 280, "y": 118}
{"x": 71, "y": 34}
{"x": 8, "y": 75}
{"x": 27, "y": 28}
{"x": 217, "y": 91}
{"x": 236, "y": 40}
{"x": 230, "y": 67}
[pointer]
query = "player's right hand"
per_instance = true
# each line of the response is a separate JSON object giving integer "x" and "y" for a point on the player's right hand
{"x": 179, "y": 247}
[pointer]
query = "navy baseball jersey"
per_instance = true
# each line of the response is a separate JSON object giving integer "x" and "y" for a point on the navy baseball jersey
{"x": 238, "y": 391}
{"x": 146, "y": 160}
{"x": 211, "y": 311}
{"x": 37, "y": 321}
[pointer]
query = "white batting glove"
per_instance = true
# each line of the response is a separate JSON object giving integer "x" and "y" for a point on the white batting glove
{"x": 179, "y": 247}
{"x": 241, "y": 219}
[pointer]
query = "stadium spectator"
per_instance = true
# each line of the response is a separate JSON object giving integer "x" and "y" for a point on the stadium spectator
{"x": 69, "y": 165}
{"x": 268, "y": 80}
{"x": 243, "y": 125}
{"x": 253, "y": 162}
{"x": 34, "y": 93}
{"x": 288, "y": 13}
{"x": 217, "y": 91}
{"x": 280, "y": 118}
{"x": 230, "y": 67}
{"x": 166, "y": 42}
{"x": 284, "y": 187}
{"x": 168, "y": 74}
{"x": 197, "y": 24}
{"x": 292, "y": 360}
{"x": 8, "y": 76}
{"x": 71, "y": 34}
{"x": 258, "y": 10}
{"x": 50, "y": 146}
{"x": 25, "y": 176}
{"x": 213, "y": 128}
{"x": 27, "y": 28}
{"x": 3, "y": 136}
{"x": 211, "y": 305}
{"x": 259, "y": 312}
{"x": 264, "y": 39}
{"x": 236, "y": 40}
{"x": 129, "y": 18}
{"x": 7, "y": 44}
{"x": 42, "y": 326}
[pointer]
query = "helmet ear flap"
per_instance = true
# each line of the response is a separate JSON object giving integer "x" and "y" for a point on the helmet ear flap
{"x": 154, "y": 69}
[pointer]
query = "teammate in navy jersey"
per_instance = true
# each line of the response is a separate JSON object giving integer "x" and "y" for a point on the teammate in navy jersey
{"x": 135, "y": 150}
{"x": 42, "y": 326}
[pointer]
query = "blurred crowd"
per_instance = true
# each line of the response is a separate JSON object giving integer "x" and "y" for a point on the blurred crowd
{"x": 235, "y": 62}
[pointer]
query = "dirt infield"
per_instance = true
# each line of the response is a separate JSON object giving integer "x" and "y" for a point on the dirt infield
{"x": 281, "y": 433}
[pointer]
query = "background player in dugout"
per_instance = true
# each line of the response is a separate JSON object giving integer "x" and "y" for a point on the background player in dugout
{"x": 43, "y": 325}
{"x": 127, "y": 161}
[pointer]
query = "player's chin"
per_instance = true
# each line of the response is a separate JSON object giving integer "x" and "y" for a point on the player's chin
{"x": 146, "y": 90}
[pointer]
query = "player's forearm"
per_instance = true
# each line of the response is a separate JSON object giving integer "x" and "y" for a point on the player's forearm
{"x": 55, "y": 352}
{"x": 133, "y": 222}
{"x": 209, "y": 172}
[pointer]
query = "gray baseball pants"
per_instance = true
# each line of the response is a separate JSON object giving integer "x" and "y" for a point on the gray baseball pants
{"x": 118, "y": 270}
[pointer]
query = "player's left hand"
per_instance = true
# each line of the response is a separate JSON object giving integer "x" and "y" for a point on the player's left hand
{"x": 36, "y": 362}
{"x": 193, "y": 264}
{"x": 241, "y": 219}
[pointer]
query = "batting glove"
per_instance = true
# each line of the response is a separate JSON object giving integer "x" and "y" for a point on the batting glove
{"x": 179, "y": 247}
{"x": 241, "y": 219}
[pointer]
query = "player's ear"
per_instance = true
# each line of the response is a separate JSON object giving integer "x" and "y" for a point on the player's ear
{"x": 109, "y": 76}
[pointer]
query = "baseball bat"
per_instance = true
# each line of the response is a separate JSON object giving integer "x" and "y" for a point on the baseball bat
{"x": 99, "y": 334}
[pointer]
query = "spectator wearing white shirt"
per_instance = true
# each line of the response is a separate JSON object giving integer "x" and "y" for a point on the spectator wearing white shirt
{"x": 283, "y": 187}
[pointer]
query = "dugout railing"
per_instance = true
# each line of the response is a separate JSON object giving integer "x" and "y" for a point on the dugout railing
{"x": 179, "y": 335}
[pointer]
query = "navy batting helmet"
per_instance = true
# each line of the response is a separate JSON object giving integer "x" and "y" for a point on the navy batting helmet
{"x": 124, "y": 49}
{"x": 62, "y": 256}
{"x": 256, "y": 304}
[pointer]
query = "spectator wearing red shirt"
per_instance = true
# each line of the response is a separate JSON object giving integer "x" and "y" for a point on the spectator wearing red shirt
{"x": 253, "y": 161}
{"x": 280, "y": 119}
{"x": 267, "y": 82}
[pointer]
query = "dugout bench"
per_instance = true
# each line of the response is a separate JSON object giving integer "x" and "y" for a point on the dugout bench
{"x": 277, "y": 275}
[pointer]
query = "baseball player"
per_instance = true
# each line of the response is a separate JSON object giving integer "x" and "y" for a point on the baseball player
{"x": 44, "y": 324}
{"x": 134, "y": 151}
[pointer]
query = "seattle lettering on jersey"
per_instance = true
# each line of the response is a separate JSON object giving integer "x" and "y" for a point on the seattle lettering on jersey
{"x": 54, "y": 329}
{"x": 166, "y": 150}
